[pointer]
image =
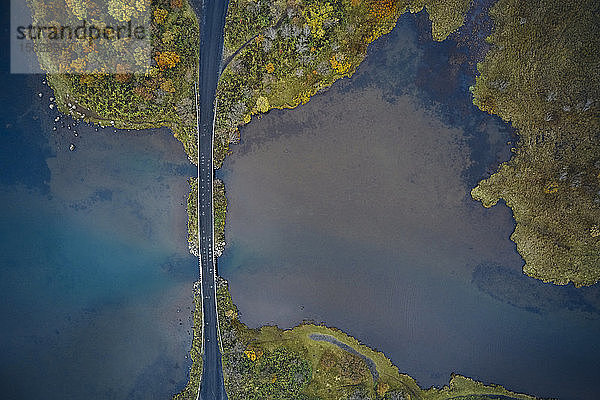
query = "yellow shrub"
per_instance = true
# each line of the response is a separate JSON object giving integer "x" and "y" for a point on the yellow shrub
{"x": 552, "y": 187}
{"x": 160, "y": 15}
{"x": 167, "y": 59}
{"x": 316, "y": 15}
{"x": 262, "y": 104}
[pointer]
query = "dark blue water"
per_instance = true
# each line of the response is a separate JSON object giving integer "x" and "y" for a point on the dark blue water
{"x": 95, "y": 274}
{"x": 94, "y": 269}
{"x": 354, "y": 210}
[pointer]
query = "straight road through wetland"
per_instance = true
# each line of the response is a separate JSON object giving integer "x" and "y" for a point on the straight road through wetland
{"x": 211, "y": 16}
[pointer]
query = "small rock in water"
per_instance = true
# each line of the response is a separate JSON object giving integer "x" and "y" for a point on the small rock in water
{"x": 71, "y": 147}
{"x": 76, "y": 134}
{"x": 51, "y": 106}
{"x": 40, "y": 94}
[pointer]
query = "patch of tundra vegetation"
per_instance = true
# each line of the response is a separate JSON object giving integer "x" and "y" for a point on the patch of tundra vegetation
{"x": 543, "y": 75}
{"x": 280, "y": 53}
{"x": 156, "y": 89}
{"x": 311, "y": 362}
{"x": 192, "y": 209}
{"x": 219, "y": 210}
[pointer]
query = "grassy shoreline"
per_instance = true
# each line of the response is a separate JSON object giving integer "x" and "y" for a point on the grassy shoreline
{"x": 334, "y": 372}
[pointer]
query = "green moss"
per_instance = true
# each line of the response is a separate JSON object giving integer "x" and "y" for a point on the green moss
{"x": 542, "y": 75}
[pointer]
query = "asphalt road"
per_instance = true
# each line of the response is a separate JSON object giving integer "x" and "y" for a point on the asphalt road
{"x": 212, "y": 22}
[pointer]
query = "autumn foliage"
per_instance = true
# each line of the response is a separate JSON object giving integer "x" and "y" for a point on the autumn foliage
{"x": 167, "y": 59}
{"x": 382, "y": 9}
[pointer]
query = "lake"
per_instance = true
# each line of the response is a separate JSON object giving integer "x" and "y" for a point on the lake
{"x": 95, "y": 272}
{"x": 354, "y": 210}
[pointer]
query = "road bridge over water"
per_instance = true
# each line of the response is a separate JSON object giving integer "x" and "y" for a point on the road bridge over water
{"x": 211, "y": 15}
